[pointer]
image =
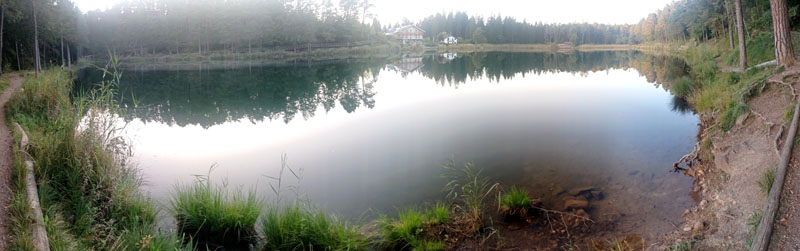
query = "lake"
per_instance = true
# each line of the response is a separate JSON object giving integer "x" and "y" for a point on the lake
{"x": 371, "y": 135}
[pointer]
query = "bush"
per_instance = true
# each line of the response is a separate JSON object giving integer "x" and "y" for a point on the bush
{"x": 296, "y": 228}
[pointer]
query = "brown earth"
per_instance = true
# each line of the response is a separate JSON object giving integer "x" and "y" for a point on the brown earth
{"x": 5, "y": 160}
{"x": 730, "y": 167}
{"x": 787, "y": 225}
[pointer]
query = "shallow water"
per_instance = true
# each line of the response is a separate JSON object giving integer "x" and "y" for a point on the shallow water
{"x": 373, "y": 134}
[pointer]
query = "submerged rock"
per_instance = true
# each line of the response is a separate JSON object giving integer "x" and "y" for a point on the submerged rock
{"x": 576, "y": 203}
{"x": 580, "y": 190}
{"x": 597, "y": 195}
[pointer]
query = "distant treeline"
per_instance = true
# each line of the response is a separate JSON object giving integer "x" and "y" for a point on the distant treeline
{"x": 177, "y": 26}
{"x": 508, "y": 30}
{"x": 146, "y": 27}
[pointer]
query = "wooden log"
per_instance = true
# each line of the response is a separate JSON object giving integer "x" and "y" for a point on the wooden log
{"x": 40, "y": 240}
{"x": 764, "y": 230}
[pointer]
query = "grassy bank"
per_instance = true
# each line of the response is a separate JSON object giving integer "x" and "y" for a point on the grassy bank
{"x": 89, "y": 195}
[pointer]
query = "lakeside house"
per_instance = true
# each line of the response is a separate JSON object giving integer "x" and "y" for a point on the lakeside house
{"x": 408, "y": 34}
{"x": 450, "y": 40}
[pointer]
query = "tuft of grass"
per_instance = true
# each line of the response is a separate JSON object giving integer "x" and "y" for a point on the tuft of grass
{"x": 682, "y": 245}
{"x": 404, "y": 233}
{"x": 298, "y": 228}
{"x": 753, "y": 222}
{"x": 433, "y": 246}
{"x": 515, "y": 202}
{"x": 729, "y": 117}
{"x": 208, "y": 213}
{"x": 788, "y": 113}
{"x": 468, "y": 186}
{"x": 439, "y": 214}
{"x": 767, "y": 178}
{"x": 683, "y": 87}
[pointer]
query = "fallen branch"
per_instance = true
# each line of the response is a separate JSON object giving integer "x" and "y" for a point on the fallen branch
{"x": 40, "y": 240}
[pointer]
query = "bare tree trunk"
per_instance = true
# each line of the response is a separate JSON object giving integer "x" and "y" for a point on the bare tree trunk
{"x": 62, "y": 51}
{"x": 37, "y": 66}
{"x": 784, "y": 52}
{"x": 2, "y": 19}
{"x": 16, "y": 43}
{"x": 729, "y": 17}
{"x": 741, "y": 29}
{"x": 69, "y": 58}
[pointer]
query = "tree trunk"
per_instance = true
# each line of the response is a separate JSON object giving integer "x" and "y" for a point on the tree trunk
{"x": 740, "y": 28}
{"x": 2, "y": 19}
{"x": 69, "y": 58}
{"x": 37, "y": 66}
{"x": 62, "y": 51}
{"x": 784, "y": 52}
{"x": 16, "y": 43}
{"x": 730, "y": 20}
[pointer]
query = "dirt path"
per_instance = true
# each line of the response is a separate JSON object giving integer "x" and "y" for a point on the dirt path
{"x": 5, "y": 160}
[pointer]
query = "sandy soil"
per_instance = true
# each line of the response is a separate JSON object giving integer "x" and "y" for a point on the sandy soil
{"x": 5, "y": 160}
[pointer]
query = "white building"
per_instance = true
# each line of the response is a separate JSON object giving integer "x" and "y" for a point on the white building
{"x": 450, "y": 40}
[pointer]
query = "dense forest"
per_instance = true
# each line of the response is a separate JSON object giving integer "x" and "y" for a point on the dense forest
{"x": 163, "y": 27}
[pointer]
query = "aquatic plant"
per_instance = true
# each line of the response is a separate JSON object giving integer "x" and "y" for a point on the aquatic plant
{"x": 468, "y": 186}
{"x": 210, "y": 214}
{"x": 298, "y": 228}
{"x": 514, "y": 202}
{"x": 729, "y": 117}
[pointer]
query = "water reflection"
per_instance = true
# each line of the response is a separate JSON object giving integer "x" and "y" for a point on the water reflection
{"x": 374, "y": 133}
{"x": 214, "y": 96}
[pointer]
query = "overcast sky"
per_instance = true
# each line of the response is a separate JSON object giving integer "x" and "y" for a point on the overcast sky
{"x": 548, "y": 11}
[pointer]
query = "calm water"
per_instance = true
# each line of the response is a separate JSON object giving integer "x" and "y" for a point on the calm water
{"x": 373, "y": 134}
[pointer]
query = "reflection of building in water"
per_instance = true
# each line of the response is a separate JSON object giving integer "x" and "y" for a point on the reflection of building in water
{"x": 446, "y": 57}
{"x": 407, "y": 64}
{"x": 409, "y": 34}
